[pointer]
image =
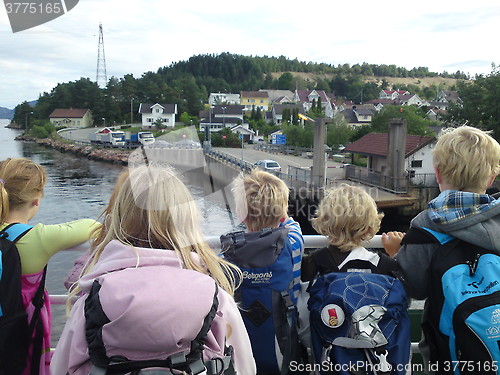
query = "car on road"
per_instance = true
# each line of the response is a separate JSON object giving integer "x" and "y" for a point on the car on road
{"x": 268, "y": 165}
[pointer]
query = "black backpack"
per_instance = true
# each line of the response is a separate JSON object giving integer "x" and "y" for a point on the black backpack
{"x": 462, "y": 324}
{"x": 15, "y": 330}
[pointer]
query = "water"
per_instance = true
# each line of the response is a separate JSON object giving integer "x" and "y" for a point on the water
{"x": 80, "y": 188}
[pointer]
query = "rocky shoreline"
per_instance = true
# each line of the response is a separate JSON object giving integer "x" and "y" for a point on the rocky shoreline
{"x": 109, "y": 155}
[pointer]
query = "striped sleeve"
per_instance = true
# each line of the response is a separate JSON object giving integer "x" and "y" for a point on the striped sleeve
{"x": 297, "y": 242}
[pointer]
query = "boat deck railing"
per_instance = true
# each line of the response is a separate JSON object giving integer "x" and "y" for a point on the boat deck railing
{"x": 310, "y": 242}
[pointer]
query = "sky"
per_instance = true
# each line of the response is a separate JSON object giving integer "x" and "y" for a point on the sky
{"x": 144, "y": 35}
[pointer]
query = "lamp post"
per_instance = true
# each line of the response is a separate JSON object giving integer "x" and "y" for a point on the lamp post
{"x": 104, "y": 119}
{"x": 131, "y": 111}
{"x": 26, "y": 120}
{"x": 223, "y": 116}
{"x": 241, "y": 136}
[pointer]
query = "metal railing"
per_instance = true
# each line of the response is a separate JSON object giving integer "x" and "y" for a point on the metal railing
{"x": 310, "y": 242}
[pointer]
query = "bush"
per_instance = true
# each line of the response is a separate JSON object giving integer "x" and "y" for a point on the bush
{"x": 39, "y": 132}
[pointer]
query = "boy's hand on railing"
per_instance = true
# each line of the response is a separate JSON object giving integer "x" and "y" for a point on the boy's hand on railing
{"x": 392, "y": 242}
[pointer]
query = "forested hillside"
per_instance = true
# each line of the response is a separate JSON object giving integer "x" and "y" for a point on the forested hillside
{"x": 188, "y": 83}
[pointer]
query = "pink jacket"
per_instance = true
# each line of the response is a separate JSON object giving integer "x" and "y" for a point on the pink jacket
{"x": 149, "y": 312}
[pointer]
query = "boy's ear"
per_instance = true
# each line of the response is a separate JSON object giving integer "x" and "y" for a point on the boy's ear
{"x": 36, "y": 202}
{"x": 439, "y": 179}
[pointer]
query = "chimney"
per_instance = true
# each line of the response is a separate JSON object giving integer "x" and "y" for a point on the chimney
{"x": 396, "y": 151}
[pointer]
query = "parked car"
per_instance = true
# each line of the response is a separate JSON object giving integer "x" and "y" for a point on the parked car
{"x": 268, "y": 165}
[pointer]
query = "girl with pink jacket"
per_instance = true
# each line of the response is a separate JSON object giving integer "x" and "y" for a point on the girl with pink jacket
{"x": 153, "y": 280}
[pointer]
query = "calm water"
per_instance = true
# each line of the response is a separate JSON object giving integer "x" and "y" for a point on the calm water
{"x": 80, "y": 188}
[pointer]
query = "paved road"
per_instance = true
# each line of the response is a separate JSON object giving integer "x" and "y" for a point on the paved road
{"x": 250, "y": 155}
{"x": 78, "y": 135}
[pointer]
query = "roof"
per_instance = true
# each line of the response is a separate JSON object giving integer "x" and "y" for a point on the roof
{"x": 278, "y": 108}
{"x": 229, "y": 109}
{"x": 303, "y": 95}
{"x": 376, "y": 144}
{"x": 167, "y": 108}
{"x": 254, "y": 94}
{"x": 68, "y": 113}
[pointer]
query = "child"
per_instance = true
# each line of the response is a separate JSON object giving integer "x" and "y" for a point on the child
{"x": 148, "y": 269}
{"x": 349, "y": 284}
{"x": 466, "y": 161}
{"x": 262, "y": 202}
{"x": 21, "y": 190}
{"x": 347, "y": 215}
{"x": 269, "y": 254}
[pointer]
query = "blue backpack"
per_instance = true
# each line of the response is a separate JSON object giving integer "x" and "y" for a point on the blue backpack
{"x": 359, "y": 324}
{"x": 266, "y": 300}
{"x": 462, "y": 326}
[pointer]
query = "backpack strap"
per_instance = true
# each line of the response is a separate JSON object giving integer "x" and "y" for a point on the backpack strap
{"x": 13, "y": 233}
{"x": 324, "y": 261}
{"x": 424, "y": 235}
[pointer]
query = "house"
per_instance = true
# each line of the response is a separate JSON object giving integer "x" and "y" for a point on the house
{"x": 359, "y": 115}
{"x": 244, "y": 129}
{"x": 279, "y": 96}
{"x": 152, "y": 113}
{"x": 449, "y": 96}
{"x": 391, "y": 94}
{"x": 71, "y": 117}
{"x": 307, "y": 97}
{"x": 410, "y": 99}
{"x": 277, "y": 111}
{"x": 223, "y": 98}
{"x": 436, "y": 114}
{"x": 255, "y": 99}
{"x": 218, "y": 117}
{"x": 418, "y": 155}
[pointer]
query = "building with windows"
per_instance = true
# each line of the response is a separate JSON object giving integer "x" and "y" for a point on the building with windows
{"x": 71, "y": 117}
{"x": 153, "y": 113}
{"x": 255, "y": 99}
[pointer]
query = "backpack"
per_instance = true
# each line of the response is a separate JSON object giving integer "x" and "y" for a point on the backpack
{"x": 188, "y": 362}
{"x": 462, "y": 325}
{"x": 265, "y": 296}
{"x": 359, "y": 322}
{"x": 15, "y": 331}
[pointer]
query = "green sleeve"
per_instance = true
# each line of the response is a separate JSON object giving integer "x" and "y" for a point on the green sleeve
{"x": 43, "y": 241}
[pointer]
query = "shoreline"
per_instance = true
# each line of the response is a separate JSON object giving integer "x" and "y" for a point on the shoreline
{"x": 117, "y": 156}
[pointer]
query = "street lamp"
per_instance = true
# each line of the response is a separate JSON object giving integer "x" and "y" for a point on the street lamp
{"x": 131, "y": 111}
{"x": 224, "y": 116}
{"x": 26, "y": 120}
{"x": 104, "y": 119}
{"x": 241, "y": 136}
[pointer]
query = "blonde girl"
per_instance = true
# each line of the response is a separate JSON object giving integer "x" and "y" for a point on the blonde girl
{"x": 152, "y": 230}
{"x": 21, "y": 190}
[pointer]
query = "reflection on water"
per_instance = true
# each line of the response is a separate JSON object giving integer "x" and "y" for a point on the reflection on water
{"x": 80, "y": 188}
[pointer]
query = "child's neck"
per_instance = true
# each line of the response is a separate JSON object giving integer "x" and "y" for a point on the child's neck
{"x": 18, "y": 216}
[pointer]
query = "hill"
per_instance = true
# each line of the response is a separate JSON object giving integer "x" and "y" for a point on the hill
{"x": 6, "y": 113}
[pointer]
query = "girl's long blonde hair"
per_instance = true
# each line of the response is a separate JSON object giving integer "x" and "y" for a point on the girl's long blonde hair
{"x": 22, "y": 180}
{"x": 152, "y": 208}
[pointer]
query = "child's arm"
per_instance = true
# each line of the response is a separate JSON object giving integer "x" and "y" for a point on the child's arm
{"x": 392, "y": 242}
{"x": 297, "y": 243}
{"x": 43, "y": 241}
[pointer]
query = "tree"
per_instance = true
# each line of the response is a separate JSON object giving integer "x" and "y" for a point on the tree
{"x": 338, "y": 132}
{"x": 415, "y": 123}
{"x": 22, "y": 115}
{"x": 286, "y": 81}
{"x": 480, "y": 105}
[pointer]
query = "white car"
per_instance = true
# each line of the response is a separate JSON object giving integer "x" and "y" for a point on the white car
{"x": 268, "y": 165}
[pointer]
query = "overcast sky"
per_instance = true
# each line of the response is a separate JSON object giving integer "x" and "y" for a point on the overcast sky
{"x": 144, "y": 35}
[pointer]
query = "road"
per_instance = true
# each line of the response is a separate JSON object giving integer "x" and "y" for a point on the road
{"x": 334, "y": 170}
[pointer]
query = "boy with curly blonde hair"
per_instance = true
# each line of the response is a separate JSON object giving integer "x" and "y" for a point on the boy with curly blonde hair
{"x": 348, "y": 216}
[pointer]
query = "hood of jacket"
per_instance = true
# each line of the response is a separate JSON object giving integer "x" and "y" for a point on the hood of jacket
{"x": 154, "y": 306}
{"x": 471, "y": 217}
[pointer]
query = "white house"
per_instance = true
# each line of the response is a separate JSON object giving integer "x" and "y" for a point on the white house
{"x": 391, "y": 94}
{"x": 223, "y": 98}
{"x": 244, "y": 129}
{"x": 418, "y": 155}
{"x": 151, "y": 113}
